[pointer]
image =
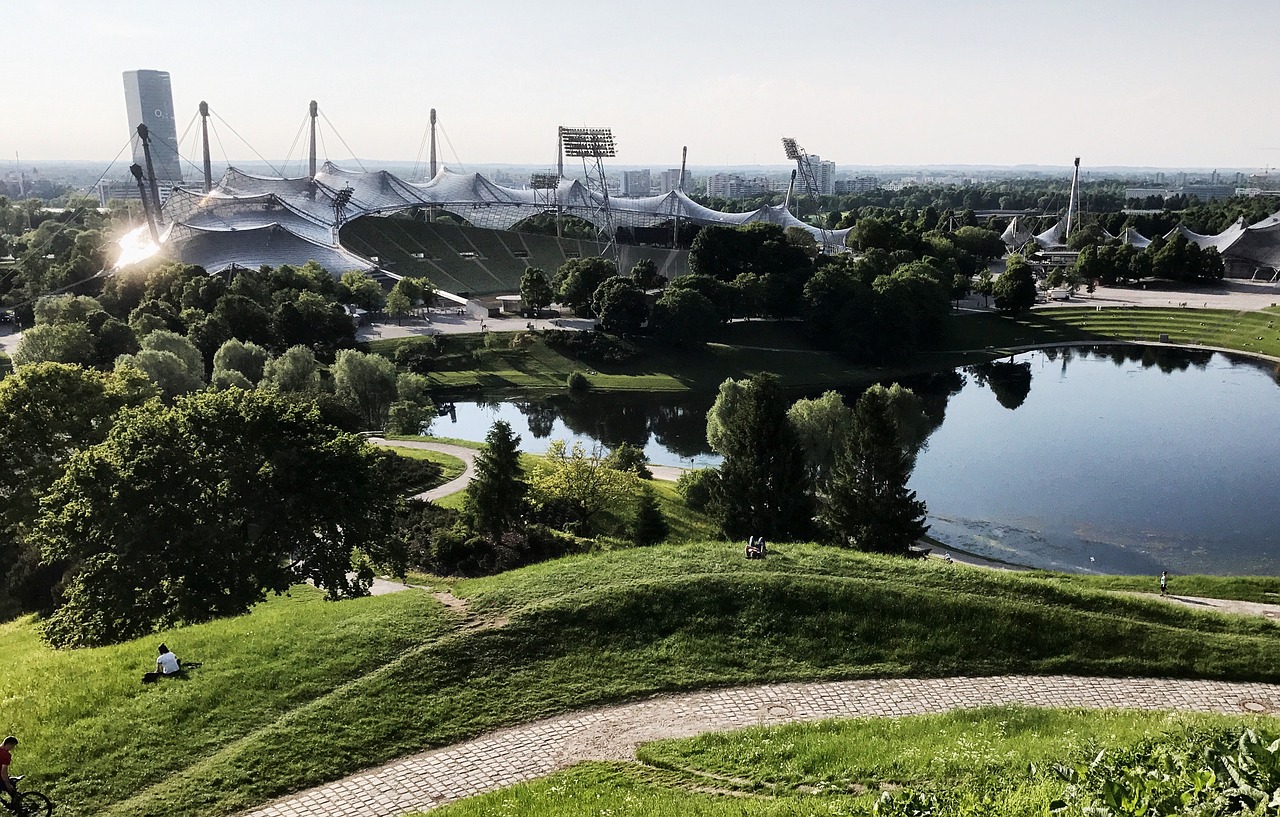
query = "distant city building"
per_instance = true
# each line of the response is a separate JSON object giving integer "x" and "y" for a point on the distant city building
{"x": 148, "y": 100}
{"x": 636, "y": 183}
{"x": 1204, "y": 192}
{"x": 733, "y": 186}
{"x": 669, "y": 180}
{"x": 858, "y": 184}
{"x": 824, "y": 174}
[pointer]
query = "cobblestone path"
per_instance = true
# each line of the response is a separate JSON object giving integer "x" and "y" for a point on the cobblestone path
{"x": 534, "y": 750}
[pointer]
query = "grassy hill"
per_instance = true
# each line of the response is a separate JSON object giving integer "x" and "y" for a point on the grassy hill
{"x": 996, "y": 761}
{"x": 302, "y": 691}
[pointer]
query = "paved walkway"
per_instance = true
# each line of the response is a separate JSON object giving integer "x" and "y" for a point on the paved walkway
{"x": 535, "y": 750}
{"x": 467, "y": 455}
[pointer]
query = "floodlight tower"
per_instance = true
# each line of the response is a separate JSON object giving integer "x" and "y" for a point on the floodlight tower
{"x": 340, "y": 202}
{"x": 1073, "y": 203}
{"x": 546, "y": 190}
{"x": 797, "y": 155}
{"x": 597, "y": 145}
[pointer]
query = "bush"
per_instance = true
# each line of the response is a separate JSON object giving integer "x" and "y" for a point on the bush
{"x": 698, "y": 487}
{"x": 577, "y": 381}
{"x": 594, "y": 347}
{"x": 627, "y": 457}
{"x": 402, "y": 476}
{"x": 418, "y": 357}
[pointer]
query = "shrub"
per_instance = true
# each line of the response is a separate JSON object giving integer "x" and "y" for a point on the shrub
{"x": 698, "y": 487}
{"x": 402, "y": 476}
{"x": 418, "y": 357}
{"x": 627, "y": 457}
{"x": 594, "y": 347}
{"x": 577, "y": 381}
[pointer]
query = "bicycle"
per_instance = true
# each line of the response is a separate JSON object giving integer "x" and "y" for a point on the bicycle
{"x": 27, "y": 803}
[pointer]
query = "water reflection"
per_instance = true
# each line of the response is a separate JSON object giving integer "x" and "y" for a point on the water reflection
{"x": 1121, "y": 459}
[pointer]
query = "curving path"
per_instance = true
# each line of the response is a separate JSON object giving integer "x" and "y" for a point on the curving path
{"x": 467, "y": 455}
{"x": 523, "y": 753}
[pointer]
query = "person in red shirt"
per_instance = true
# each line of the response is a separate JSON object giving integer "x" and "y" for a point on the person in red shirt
{"x": 6, "y": 757}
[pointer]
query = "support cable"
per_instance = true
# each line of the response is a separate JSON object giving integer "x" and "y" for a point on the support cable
{"x": 344, "y": 142}
{"x": 246, "y": 142}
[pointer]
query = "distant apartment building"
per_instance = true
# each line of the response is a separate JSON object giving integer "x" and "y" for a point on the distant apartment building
{"x": 733, "y": 186}
{"x": 669, "y": 180}
{"x": 636, "y": 183}
{"x": 824, "y": 174}
{"x": 858, "y": 184}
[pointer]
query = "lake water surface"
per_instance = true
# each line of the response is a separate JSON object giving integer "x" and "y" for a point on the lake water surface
{"x": 1115, "y": 459}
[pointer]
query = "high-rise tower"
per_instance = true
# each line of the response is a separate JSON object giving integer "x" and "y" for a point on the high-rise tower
{"x": 148, "y": 99}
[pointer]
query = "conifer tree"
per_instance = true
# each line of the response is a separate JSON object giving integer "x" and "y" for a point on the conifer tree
{"x": 649, "y": 526}
{"x": 869, "y": 506}
{"x": 495, "y": 497}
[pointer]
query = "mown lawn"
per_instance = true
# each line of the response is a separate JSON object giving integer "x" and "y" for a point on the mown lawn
{"x": 996, "y": 761}
{"x": 742, "y": 349}
{"x": 1253, "y": 332}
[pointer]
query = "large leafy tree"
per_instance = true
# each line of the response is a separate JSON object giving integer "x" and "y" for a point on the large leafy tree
{"x": 763, "y": 488}
{"x": 495, "y": 497}
{"x": 1015, "y": 289}
{"x": 572, "y": 487}
{"x": 367, "y": 382}
{"x": 199, "y": 510}
{"x": 535, "y": 290}
{"x": 868, "y": 505}
{"x": 620, "y": 305}
{"x": 577, "y": 281}
{"x": 683, "y": 317}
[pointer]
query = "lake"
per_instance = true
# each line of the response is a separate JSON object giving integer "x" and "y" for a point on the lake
{"x": 1106, "y": 459}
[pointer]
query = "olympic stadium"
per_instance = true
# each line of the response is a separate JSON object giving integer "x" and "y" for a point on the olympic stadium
{"x": 344, "y": 220}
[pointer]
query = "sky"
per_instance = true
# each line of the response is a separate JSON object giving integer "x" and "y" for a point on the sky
{"x": 1162, "y": 83}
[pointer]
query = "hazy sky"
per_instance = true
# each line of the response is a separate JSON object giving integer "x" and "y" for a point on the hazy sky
{"x": 1117, "y": 82}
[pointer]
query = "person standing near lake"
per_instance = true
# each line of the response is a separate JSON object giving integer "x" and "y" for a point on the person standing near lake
{"x": 1164, "y": 583}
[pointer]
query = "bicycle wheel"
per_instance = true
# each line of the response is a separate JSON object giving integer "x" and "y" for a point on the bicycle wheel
{"x": 33, "y": 804}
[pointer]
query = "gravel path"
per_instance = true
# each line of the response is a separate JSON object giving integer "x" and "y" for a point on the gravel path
{"x": 467, "y": 455}
{"x": 524, "y": 753}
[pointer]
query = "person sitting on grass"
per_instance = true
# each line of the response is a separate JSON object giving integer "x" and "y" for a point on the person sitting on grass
{"x": 167, "y": 666}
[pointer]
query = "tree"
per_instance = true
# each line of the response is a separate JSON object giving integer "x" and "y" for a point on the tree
{"x": 495, "y": 498}
{"x": 162, "y": 340}
{"x": 1015, "y": 289}
{"x": 820, "y": 425}
{"x": 363, "y": 291}
{"x": 199, "y": 510}
{"x": 55, "y": 343}
{"x": 620, "y": 305}
{"x": 763, "y": 487}
{"x": 294, "y": 370}
{"x": 683, "y": 317}
{"x": 413, "y": 411}
{"x": 398, "y": 304}
{"x": 577, "y": 281}
{"x": 575, "y": 487}
{"x": 649, "y": 526}
{"x": 869, "y": 506}
{"x": 750, "y": 295}
{"x": 535, "y": 290}
{"x": 722, "y": 295}
{"x": 247, "y": 358}
{"x": 367, "y": 382}
{"x": 645, "y": 274}
{"x": 985, "y": 286}
{"x": 627, "y": 457}
{"x": 65, "y": 309}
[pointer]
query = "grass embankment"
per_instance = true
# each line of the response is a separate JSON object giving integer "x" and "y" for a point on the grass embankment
{"x": 741, "y": 349}
{"x": 450, "y": 466}
{"x": 1249, "y": 332}
{"x": 842, "y": 767}
{"x": 301, "y": 692}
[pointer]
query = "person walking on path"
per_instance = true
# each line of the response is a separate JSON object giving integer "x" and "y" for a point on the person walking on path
{"x": 1164, "y": 583}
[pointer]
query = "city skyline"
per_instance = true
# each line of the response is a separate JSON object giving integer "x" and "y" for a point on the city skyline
{"x": 864, "y": 84}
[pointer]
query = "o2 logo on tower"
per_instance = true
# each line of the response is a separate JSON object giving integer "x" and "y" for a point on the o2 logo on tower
{"x": 159, "y": 114}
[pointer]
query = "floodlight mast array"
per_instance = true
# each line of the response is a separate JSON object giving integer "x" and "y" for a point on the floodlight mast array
{"x": 546, "y": 192}
{"x": 797, "y": 154}
{"x": 596, "y": 145}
